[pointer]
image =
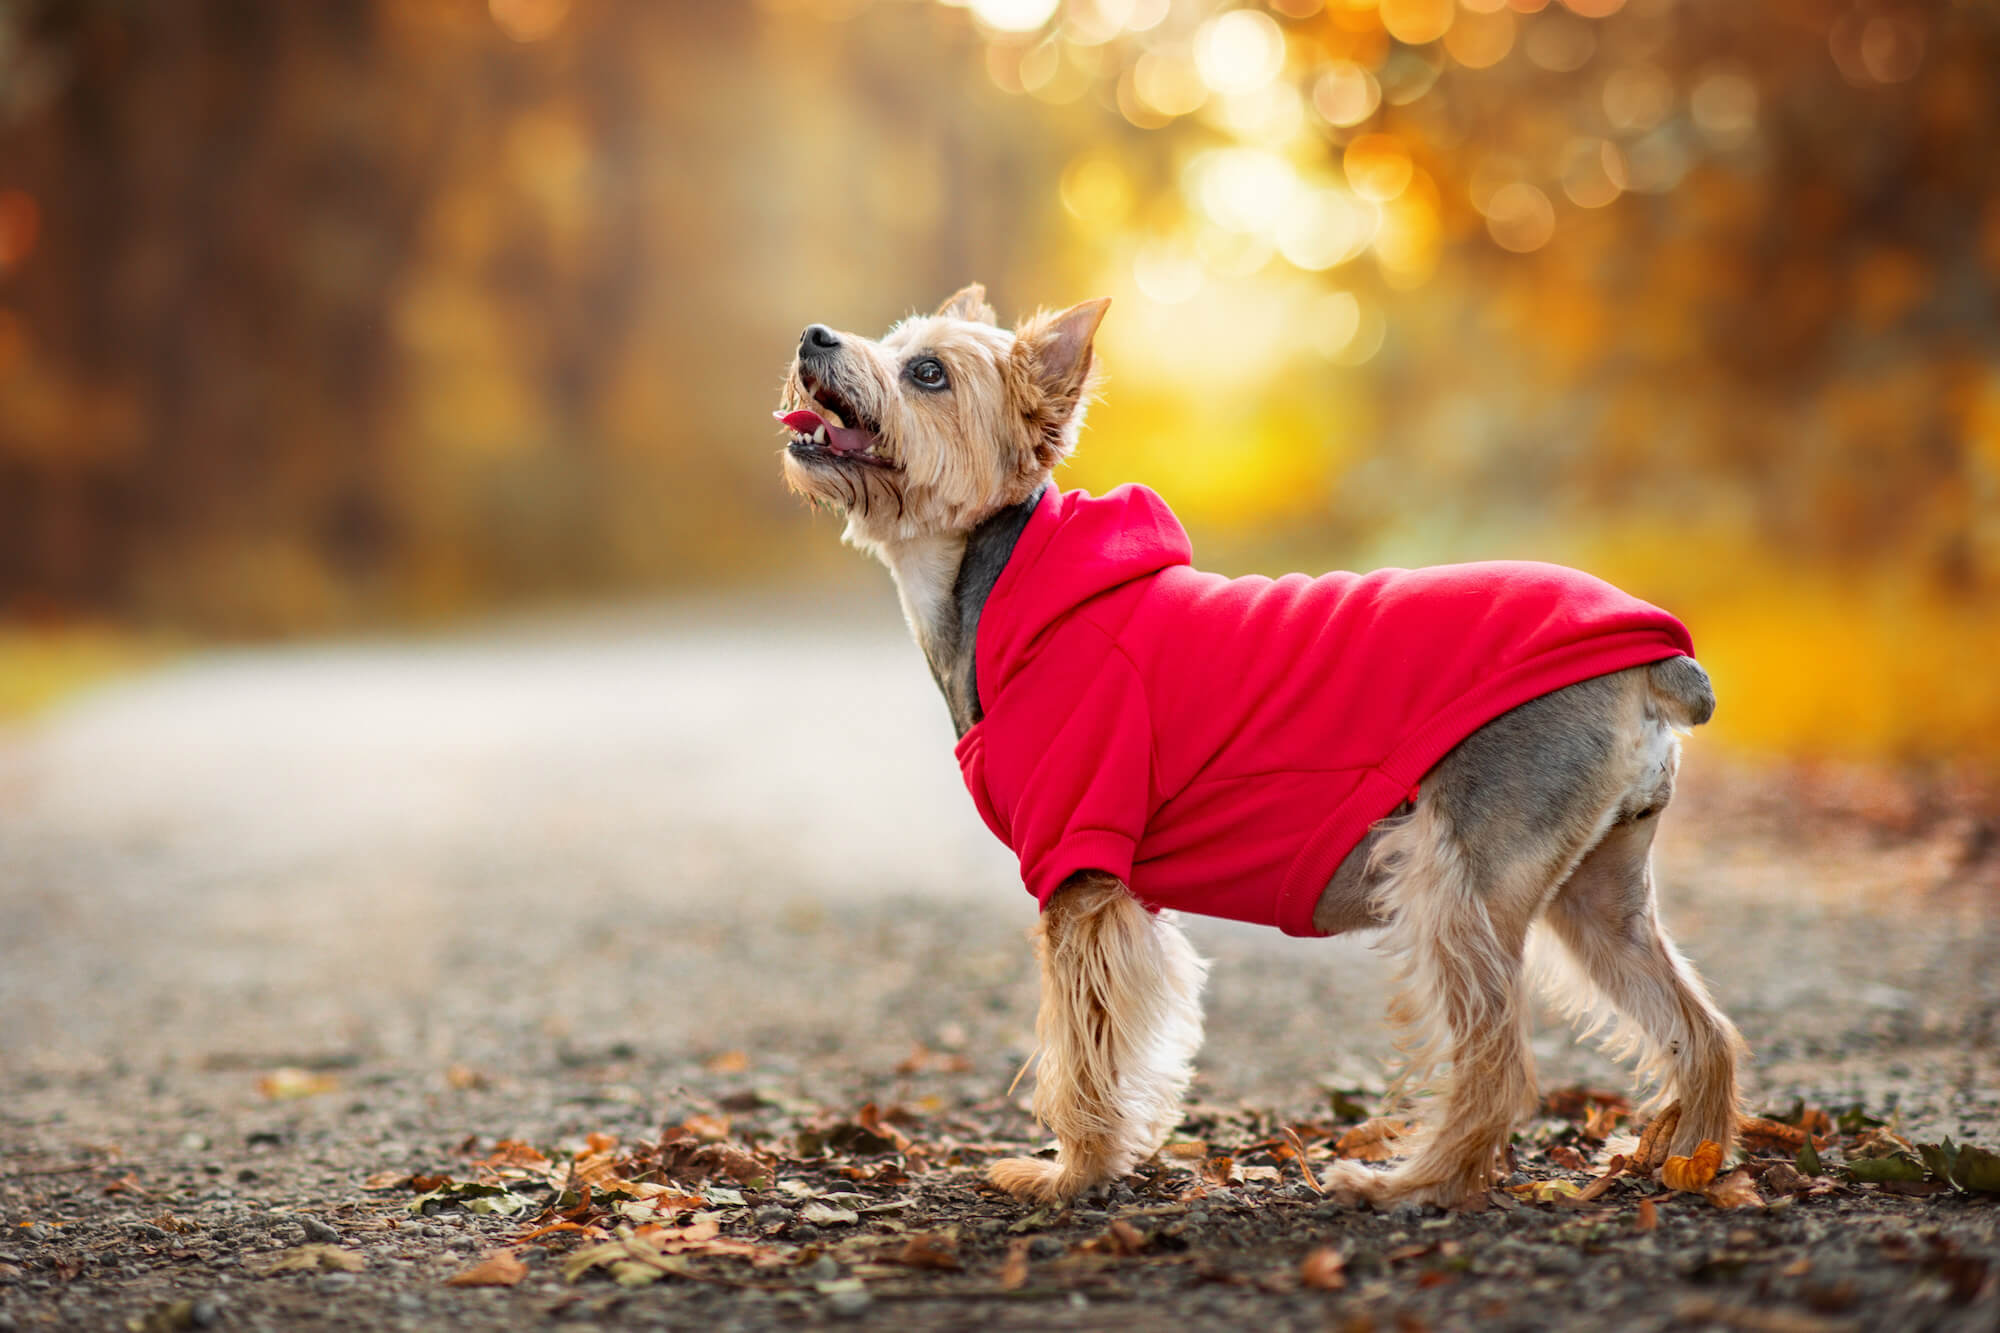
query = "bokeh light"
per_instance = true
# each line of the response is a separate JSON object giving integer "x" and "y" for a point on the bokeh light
{"x": 1014, "y": 15}
{"x": 1346, "y": 94}
{"x": 1520, "y": 218}
{"x": 528, "y": 20}
{"x": 1417, "y": 21}
{"x": 1239, "y": 51}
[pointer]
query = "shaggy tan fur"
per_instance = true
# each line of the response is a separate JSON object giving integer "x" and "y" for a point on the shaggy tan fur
{"x": 1119, "y": 1024}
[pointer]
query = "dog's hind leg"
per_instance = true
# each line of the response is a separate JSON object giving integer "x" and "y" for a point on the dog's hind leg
{"x": 1119, "y": 1023}
{"x": 1607, "y": 918}
{"x": 1459, "y": 1001}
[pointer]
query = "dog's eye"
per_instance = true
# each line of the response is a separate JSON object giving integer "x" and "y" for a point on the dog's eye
{"x": 928, "y": 372}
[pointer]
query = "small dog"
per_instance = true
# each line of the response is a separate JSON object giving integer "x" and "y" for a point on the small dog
{"x": 1449, "y": 755}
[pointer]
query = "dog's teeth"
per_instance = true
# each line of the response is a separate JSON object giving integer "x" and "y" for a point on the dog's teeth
{"x": 819, "y": 435}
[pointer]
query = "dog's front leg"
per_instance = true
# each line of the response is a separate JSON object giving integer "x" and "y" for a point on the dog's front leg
{"x": 1119, "y": 1023}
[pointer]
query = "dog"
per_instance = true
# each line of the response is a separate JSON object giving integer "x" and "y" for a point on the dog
{"x": 1149, "y": 737}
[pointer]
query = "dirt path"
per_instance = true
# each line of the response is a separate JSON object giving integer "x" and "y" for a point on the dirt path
{"x": 607, "y": 877}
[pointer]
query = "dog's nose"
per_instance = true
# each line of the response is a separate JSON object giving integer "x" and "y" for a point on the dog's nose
{"x": 817, "y": 340}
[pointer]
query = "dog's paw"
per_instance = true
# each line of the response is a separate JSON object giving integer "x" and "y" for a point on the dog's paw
{"x": 1352, "y": 1182}
{"x": 1034, "y": 1179}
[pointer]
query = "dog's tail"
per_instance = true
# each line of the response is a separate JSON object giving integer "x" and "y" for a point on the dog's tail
{"x": 1681, "y": 689}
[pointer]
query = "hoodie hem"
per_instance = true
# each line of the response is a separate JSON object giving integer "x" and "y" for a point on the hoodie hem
{"x": 1392, "y": 782}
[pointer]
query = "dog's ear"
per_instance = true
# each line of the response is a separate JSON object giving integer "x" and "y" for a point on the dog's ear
{"x": 1053, "y": 352}
{"x": 969, "y": 303}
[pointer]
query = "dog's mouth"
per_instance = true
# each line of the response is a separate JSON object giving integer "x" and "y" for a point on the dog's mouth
{"x": 823, "y": 431}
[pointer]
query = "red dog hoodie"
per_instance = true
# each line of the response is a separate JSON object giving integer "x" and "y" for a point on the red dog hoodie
{"x": 1221, "y": 744}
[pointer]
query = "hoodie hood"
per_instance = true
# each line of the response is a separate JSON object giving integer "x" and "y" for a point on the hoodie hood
{"x": 1076, "y": 546}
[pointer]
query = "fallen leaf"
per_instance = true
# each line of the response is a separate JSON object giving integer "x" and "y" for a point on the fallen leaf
{"x": 1649, "y": 1216}
{"x": 1761, "y": 1135}
{"x": 387, "y": 1180}
{"x": 1601, "y": 1121}
{"x": 496, "y": 1270}
{"x": 1298, "y": 1148}
{"x": 1568, "y": 1158}
{"x": 1324, "y": 1269}
{"x": 125, "y": 1184}
{"x": 871, "y": 1120}
{"x": 1370, "y": 1140}
{"x": 826, "y": 1215}
{"x": 922, "y": 1060}
{"x": 514, "y": 1153}
{"x": 289, "y": 1083}
{"x": 1807, "y": 1160}
{"x": 1693, "y": 1174}
{"x": 1119, "y": 1239}
{"x": 1898, "y": 1168}
{"x": 728, "y": 1062}
{"x": 1736, "y": 1190}
{"x": 1597, "y": 1188}
{"x": 1655, "y": 1138}
{"x": 1219, "y": 1170}
{"x": 707, "y": 1128}
{"x": 1976, "y": 1169}
{"x": 929, "y": 1251}
{"x": 1014, "y": 1268}
{"x": 1703, "y": 1311}
{"x": 1187, "y": 1150}
{"x": 1577, "y": 1103}
{"x": 316, "y": 1259}
{"x": 1546, "y": 1191}
{"x": 464, "y": 1078}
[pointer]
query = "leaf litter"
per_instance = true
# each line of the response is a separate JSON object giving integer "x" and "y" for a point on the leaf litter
{"x": 851, "y": 1204}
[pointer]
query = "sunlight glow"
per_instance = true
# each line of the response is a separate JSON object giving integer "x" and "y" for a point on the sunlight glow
{"x": 1239, "y": 51}
{"x": 1013, "y": 15}
{"x": 1346, "y": 94}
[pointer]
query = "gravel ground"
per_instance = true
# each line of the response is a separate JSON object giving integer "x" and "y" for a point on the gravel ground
{"x": 282, "y": 924}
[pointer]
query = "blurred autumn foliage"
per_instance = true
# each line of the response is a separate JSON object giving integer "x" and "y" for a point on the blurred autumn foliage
{"x": 362, "y": 312}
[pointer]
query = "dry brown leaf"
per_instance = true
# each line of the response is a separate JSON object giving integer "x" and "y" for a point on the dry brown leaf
{"x": 387, "y": 1180}
{"x": 316, "y": 1259}
{"x": 1761, "y": 1135}
{"x": 1649, "y": 1216}
{"x": 871, "y": 1120}
{"x": 689, "y": 1161}
{"x": 1219, "y": 1170}
{"x": 1325, "y": 1269}
{"x": 464, "y": 1078}
{"x": 495, "y": 1270}
{"x": 707, "y": 1128}
{"x": 1692, "y": 1174}
{"x": 1568, "y": 1158}
{"x": 922, "y": 1060}
{"x": 287, "y": 1084}
{"x": 1596, "y": 1188}
{"x": 728, "y": 1062}
{"x": 1369, "y": 1141}
{"x": 1601, "y": 1121}
{"x": 1577, "y": 1103}
{"x": 931, "y": 1251}
{"x": 1736, "y": 1190}
{"x": 1014, "y": 1268}
{"x": 1187, "y": 1150}
{"x": 1655, "y": 1138}
{"x": 1297, "y": 1148}
{"x": 1121, "y": 1237}
{"x": 514, "y": 1153}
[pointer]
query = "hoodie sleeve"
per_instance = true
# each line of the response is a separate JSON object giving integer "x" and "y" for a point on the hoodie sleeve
{"x": 1083, "y": 788}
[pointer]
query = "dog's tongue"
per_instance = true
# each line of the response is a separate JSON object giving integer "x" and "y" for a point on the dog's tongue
{"x": 841, "y": 439}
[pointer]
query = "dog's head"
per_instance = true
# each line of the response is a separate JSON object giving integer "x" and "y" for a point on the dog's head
{"x": 940, "y": 423}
